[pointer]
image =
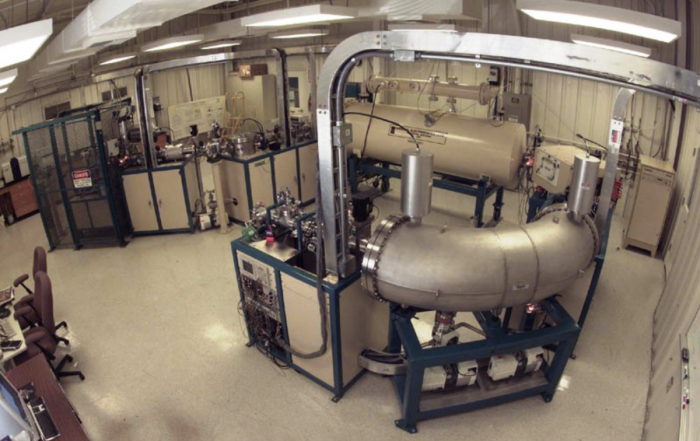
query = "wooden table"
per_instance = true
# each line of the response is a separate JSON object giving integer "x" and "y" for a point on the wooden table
{"x": 37, "y": 371}
{"x": 17, "y": 200}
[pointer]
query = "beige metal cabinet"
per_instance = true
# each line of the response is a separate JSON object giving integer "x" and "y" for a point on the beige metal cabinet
{"x": 654, "y": 185}
{"x": 260, "y": 178}
{"x": 236, "y": 188}
{"x": 308, "y": 160}
{"x": 286, "y": 172}
{"x": 162, "y": 200}
{"x": 364, "y": 323}
{"x": 171, "y": 200}
{"x": 137, "y": 188}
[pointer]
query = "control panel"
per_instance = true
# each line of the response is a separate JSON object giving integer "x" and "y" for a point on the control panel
{"x": 547, "y": 168}
{"x": 259, "y": 287}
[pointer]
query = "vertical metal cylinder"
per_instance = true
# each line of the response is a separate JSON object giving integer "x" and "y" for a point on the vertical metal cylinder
{"x": 416, "y": 183}
{"x": 583, "y": 185}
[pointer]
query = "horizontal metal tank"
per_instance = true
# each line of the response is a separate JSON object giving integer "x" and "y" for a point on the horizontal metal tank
{"x": 463, "y": 146}
{"x": 468, "y": 269}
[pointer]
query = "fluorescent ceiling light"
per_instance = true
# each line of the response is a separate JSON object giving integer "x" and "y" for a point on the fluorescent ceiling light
{"x": 3, "y": 90}
{"x": 6, "y": 78}
{"x": 301, "y": 15}
{"x": 612, "y": 45}
{"x": 300, "y": 33}
{"x": 117, "y": 58}
{"x": 172, "y": 43}
{"x": 221, "y": 44}
{"x": 423, "y": 27}
{"x": 21, "y": 43}
{"x": 603, "y": 17}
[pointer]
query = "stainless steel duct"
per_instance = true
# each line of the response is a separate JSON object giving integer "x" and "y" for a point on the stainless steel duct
{"x": 466, "y": 269}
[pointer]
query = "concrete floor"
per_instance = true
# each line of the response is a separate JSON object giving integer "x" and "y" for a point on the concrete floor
{"x": 154, "y": 326}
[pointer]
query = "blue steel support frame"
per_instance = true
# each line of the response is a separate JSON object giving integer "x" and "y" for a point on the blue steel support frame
{"x": 481, "y": 190}
{"x": 333, "y": 291}
{"x": 563, "y": 336}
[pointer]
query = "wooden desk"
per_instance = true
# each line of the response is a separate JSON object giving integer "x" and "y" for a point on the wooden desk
{"x": 38, "y": 371}
{"x": 17, "y": 200}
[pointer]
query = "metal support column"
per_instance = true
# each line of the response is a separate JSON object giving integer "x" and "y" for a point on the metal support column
{"x": 617, "y": 127}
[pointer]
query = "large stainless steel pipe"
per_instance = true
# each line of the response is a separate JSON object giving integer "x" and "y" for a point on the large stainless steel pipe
{"x": 467, "y": 269}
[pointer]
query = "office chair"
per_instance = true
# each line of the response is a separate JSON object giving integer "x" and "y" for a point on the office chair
{"x": 31, "y": 315}
{"x": 39, "y": 265}
{"x": 41, "y": 339}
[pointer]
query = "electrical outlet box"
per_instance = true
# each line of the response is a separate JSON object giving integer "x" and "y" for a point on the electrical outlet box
{"x": 517, "y": 108}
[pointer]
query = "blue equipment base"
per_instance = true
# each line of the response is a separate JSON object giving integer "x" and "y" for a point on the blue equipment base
{"x": 559, "y": 338}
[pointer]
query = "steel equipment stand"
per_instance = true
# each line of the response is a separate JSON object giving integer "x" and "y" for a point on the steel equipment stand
{"x": 416, "y": 405}
{"x": 482, "y": 190}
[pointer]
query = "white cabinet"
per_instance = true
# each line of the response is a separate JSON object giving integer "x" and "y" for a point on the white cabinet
{"x": 296, "y": 171}
{"x": 308, "y": 165}
{"x": 286, "y": 172}
{"x": 137, "y": 188}
{"x": 171, "y": 200}
{"x": 654, "y": 185}
{"x": 162, "y": 200}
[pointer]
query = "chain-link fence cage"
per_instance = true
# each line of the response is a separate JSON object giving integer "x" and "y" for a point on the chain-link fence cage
{"x": 76, "y": 189}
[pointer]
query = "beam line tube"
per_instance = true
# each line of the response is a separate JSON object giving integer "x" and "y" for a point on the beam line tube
{"x": 469, "y": 269}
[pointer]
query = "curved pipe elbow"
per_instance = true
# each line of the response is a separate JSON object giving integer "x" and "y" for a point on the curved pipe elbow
{"x": 466, "y": 269}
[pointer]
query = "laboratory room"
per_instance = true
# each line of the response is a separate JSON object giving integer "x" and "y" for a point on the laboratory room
{"x": 302, "y": 220}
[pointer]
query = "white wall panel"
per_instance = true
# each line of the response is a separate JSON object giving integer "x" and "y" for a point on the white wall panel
{"x": 184, "y": 85}
{"x": 681, "y": 299}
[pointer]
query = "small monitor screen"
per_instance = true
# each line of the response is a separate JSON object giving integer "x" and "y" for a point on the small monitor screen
{"x": 248, "y": 267}
{"x": 9, "y": 395}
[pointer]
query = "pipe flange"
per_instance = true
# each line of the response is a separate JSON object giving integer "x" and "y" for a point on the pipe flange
{"x": 596, "y": 235}
{"x": 563, "y": 208}
{"x": 558, "y": 208}
{"x": 373, "y": 252}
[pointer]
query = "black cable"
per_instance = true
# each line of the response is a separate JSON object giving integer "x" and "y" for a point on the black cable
{"x": 388, "y": 121}
{"x": 260, "y": 126}
{"x": 371, "y": 118}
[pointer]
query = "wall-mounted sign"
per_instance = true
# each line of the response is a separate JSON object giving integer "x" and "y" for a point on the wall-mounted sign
{"x": 82, "y": 179}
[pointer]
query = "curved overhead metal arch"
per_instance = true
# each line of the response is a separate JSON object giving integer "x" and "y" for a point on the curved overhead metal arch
{"x": 629, "y": 72}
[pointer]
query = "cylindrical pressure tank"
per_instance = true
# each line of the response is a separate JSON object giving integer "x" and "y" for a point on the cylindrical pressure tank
{"x": 463, "y": 146}
{"x": 416, "y": 183}
{"x": 583, "y": 185}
